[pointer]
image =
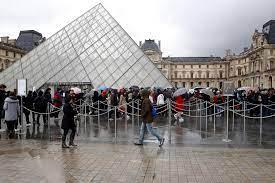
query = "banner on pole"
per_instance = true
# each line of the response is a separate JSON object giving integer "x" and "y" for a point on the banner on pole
{"x": 21, "y": 87}
{"x": 228, "y": 88}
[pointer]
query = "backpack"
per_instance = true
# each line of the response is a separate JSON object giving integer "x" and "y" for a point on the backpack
{"x": 154, "y": 111}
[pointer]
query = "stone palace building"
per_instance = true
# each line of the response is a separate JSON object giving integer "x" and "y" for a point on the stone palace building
{"x": 255, "y": 66}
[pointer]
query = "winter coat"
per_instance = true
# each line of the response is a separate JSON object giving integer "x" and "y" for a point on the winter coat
{"x": 28, "y": 103}
{"x": 12, "y": 109}
{"x": 146, "y": 111}
{"x": 40, "y": 104}
{"x": 57, "y": 100}
{"x": 179, "y": 103}
{"x": 122, "y": 103}
{"x": 68, "y": 117}
{"x": 48, "y": 97}
{"x": 160, "y": 99}
{"x": 2, "y": 99}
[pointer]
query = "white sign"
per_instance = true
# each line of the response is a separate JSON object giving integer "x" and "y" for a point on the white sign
{"x": 228, "y": 88}
{"x": 22, "y": 87}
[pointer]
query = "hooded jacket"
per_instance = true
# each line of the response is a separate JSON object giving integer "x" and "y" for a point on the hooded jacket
{"x": 146, "y": 107}
{"x": 11, "y": 107}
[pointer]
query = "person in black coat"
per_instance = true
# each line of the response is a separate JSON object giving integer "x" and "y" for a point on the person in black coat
{"x": 40, "y": 106}
{"x": 68, "y": 122}
{"x": 27, "y": 103}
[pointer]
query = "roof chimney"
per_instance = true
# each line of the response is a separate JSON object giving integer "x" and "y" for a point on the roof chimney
{"x": 5, "y": 39}
{"x": 159, "y": 45}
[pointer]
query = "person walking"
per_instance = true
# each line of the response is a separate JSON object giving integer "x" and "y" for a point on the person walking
{"x": 147, "y": 119}
{"x": 2, "y": 99}
{"x": 68, "y": 122}
{"x": 12, "y": 109}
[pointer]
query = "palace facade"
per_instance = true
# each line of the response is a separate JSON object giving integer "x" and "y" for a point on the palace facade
{"x": 254, "y": 67}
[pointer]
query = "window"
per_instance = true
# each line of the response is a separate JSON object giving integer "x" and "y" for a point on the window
{"x": 199, "y": 66}
{"x": 176, "y": 74}
{"x": 192, "y": 84}
{"x": 175, "y": 66}
{"x": 199, "y": 83}
{"x": 207, "y": 74}
{"x": 183, "y": 66}
{"x": 191, "y": 74}
{"x": 14, "y": 54}
{"x": 207, "y": 84}
{"x": 191, "y": 66}
{"x": 7, "y": 53}
{"x": 207, "y": 66}
{"x": 220, "y": 85}
{"x": 220, "y": 66}
{"x": 239, "y": 71}
{"x": 221, "y": 74}
{"x": 176, "y": 84}
{"x": 183, "y": 84}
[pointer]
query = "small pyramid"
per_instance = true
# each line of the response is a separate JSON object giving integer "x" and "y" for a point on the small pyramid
{"x": 94, "y": 49}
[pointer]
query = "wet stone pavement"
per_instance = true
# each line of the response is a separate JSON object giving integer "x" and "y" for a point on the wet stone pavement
{"x": 196, "y": 152}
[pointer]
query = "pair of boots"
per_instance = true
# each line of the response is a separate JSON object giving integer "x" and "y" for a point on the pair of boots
{"x": 71, "y": 143}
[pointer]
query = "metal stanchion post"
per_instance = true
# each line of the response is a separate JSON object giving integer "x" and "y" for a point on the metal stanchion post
{"x": 206, "y": 113}
{"x": 169, "y": 118}
{"x": 48, "y": 118}
{"x": 200, "y": 114}
{"x": 138, "y": 112}
{"x": 21, "y": 130}
{"x": 85, "y": 115}
{"x": 98, "y": 113}
{"x": 189, "y": 108}
{"x": 227, "y": 120}
{"x": 115, "y": 125}
{"x": 133, "y": 118}
{"x": 244, "y": 109}
{"x": 233, "y": 115}
{"x": 214, "y": 118}
{"x": 261, "y": 122}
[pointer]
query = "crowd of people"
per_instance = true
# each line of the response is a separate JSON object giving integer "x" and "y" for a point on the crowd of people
{"x": 38, "y": 104}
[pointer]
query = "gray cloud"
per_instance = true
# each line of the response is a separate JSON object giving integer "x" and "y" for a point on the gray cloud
{"x": 186, "y": 28}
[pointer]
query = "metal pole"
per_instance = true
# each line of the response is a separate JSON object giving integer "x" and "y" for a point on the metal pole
{"x": 48, "y": 117}
{"x": 98, "y": 114}
{"x": 200, "y": 114}
{"x": 244, "y": 111}
{"x": 115, "y": 125}
{"x": 227, "y": 120}
{"x": 85, "y": 113}
{"x": 138, "y": 112}
{"x": 261, "y": 122}
{"x": 214, "y": 118}
{"x": 233, "y": 115}
{"x": 206, "y": 113}
{"x": 189, "y": 108}
{"x": 169, "y": 118}
{"x": 133, "y": 118}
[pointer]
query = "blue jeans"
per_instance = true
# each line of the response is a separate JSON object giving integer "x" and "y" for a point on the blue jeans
{"x": 150, "y": 129}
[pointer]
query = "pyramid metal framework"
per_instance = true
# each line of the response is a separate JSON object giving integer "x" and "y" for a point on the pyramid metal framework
{"x": 94, "y": 48}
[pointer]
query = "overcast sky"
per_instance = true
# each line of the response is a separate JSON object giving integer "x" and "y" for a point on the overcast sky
{"x": 185, "y": 27}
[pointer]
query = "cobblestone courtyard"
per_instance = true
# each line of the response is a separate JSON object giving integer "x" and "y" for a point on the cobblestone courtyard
{"x": 195, "y": 153}
{"x": 42, "y": 161}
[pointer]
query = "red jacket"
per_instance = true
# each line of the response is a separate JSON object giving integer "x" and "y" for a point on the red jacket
{"x": 179, "y": 103}
{"x": 57, "y": 100}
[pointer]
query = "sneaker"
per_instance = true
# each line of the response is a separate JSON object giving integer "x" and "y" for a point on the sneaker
{"x": 16, "y": 130}
{"x": 111, "y": 119}
{"x": 28, "y": 124}
{"x": 161, "y": 142}
{"x": 138, "y": 144}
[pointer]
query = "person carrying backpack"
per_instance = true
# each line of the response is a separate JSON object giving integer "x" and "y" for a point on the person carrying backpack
{"x": 147, "y": 119}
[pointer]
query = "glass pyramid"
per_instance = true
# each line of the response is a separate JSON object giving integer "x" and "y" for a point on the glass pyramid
{"x": 94, "y": 48}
